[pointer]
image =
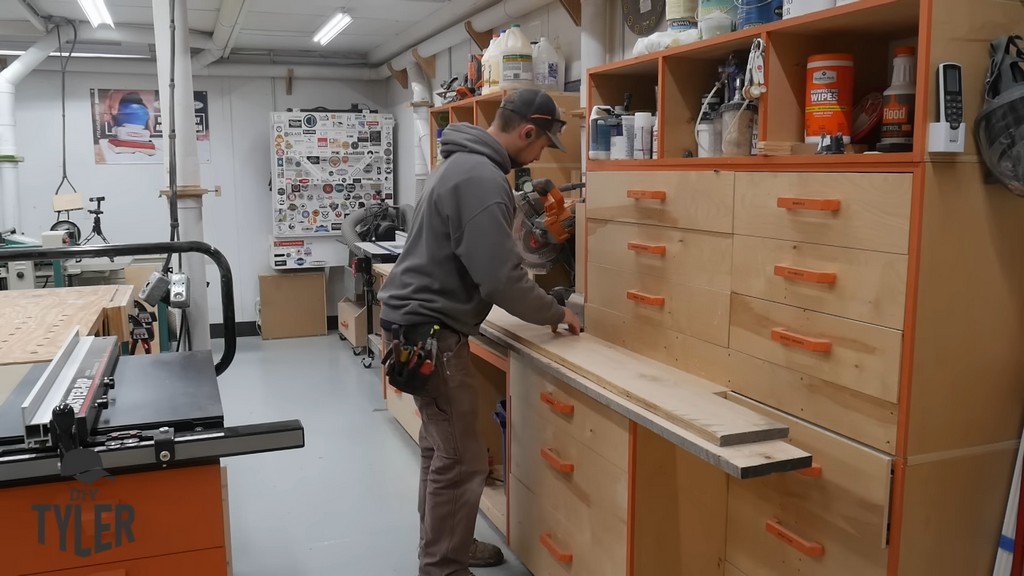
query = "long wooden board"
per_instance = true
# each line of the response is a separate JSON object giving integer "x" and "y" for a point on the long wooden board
{"x": 682, "y": 398}
{"x": 34, "y": 323}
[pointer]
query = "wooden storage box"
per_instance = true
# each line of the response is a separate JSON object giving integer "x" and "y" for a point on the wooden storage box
{"x": 293, "y": 305}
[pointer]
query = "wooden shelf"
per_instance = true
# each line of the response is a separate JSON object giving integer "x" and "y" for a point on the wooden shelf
{"x": 889, "y": 162}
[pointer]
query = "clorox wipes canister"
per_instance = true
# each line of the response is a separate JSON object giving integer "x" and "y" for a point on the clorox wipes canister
{"x": 828, "y": 108}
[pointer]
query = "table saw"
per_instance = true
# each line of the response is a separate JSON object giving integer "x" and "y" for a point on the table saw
{"x": 115, "y": 460}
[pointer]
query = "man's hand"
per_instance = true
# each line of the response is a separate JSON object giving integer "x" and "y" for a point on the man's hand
{"x": 571, "y": 320}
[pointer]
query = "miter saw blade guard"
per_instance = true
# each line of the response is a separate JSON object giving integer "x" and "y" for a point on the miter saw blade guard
{"x": 537, "y": 250}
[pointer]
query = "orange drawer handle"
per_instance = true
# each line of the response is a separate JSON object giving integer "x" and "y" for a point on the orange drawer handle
{"x": 805, "y": 275}
{"x": 556, "y": 553}
{"x": 816, "y": 204}
{"x": 640, "y": 247}
{"x": 344, "y": 324}
{"x": 642, "y": 298}
{"x": 555, "y": 462}
{"x": 814, "y": 471}
{"x": 787, "y": 338}
{"x": 556, "y": 406}
{"x": 805, "y": 547}
{"x": 646, "y": 194}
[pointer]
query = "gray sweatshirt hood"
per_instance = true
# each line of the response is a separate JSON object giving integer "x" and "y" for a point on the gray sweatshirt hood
{"x": 464, "y": 137}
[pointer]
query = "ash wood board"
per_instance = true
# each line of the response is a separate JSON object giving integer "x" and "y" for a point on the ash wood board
{"x": 35, "y": 323}
{"x": 684, "y": 399}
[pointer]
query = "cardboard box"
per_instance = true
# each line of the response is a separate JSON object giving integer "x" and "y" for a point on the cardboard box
{"x": 293, "y": 305}
{"x": 352, "y": 322}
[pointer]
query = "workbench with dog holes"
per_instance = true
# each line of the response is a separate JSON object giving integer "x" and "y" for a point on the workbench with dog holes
{"x": 801, "y": 364}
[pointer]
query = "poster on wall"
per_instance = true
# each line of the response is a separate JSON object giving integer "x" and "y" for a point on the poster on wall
{"x": 127, "y": 126}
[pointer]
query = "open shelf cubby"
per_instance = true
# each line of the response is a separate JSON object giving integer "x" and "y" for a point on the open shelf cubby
{"x": 673, "y": 82}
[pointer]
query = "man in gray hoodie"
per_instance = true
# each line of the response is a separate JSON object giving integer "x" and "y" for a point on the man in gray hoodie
{"x": 460, "y": 259}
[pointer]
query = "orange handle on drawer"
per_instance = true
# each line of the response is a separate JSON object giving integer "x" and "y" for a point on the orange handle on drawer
{"x": 556, "y": 553}
{"x": 805, "y": 547}
{"x": 816, "y": 204}
{"x": 787, "y": 338}
{"x": 556, "y": 406}
{"x": 646, "y": 194}
{"x": 344, "y": 324}
{"x": 805, "y": 275}
{"x": 555, "y": 462}
{"x": 814, "y": 471}
{"x": 642, "y": 298}
{"x": 642, "y": 248}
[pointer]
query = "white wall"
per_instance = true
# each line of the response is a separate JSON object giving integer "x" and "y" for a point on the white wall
{"x": 237, "y": 223}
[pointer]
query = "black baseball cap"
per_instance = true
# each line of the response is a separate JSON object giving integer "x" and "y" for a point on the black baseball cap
{"x": 539, "y": 109}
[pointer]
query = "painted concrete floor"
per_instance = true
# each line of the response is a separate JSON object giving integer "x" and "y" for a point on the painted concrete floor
{"x": 346, "y": 503}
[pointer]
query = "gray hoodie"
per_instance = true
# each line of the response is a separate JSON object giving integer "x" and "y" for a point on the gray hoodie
{"x": 460, "y": 257}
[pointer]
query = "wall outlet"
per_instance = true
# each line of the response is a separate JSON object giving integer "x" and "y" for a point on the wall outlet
{"x": 179, "y": 291}
{"x": 155, "y": 289}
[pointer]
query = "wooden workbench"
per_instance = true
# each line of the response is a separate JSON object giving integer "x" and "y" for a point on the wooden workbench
{"x": 35, "y": 323}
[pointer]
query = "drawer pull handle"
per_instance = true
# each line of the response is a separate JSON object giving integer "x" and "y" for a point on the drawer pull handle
{"x": 815, "y": 204}
{"x": 344, "y": 324}
{"x": 642, "y": 298}
{"x": 556, "y": 406}
{"x": 805, "y": 547}
{"x": 555, "y": 462}
{"x": 814, "y": 471}
{"x": 557, "y": 553}
{"x": 805, "y": 275}
{"x": 642, "y": 248}
{"x": 646, "y": 194}
{"x": 787, "y": 338}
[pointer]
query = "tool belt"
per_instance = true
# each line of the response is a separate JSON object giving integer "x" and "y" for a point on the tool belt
{"x": 412, "y": 357}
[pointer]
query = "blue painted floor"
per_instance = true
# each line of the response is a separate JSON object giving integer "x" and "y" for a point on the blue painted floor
{"x": 346, "y": 503}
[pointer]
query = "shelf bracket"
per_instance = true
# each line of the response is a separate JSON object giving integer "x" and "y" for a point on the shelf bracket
{"x": 572, "y": 7}
{"x": 427, "y": 64}
{"x": 481, "y": 39}
{"x": 400, "y": 76}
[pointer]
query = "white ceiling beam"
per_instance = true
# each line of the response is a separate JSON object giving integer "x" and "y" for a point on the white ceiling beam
{"x": 32, "y": 15}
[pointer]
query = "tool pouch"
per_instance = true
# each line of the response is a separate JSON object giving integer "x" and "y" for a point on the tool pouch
{"x": 409, "y": 362}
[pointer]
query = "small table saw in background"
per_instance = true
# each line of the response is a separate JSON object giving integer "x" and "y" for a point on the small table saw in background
{"x": 111, "y": 464}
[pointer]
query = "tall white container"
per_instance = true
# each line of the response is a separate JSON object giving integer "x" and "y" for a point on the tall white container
{"x": 516, "y": 60}
{"x": 490, "y": 63}
{"x": 548, "y": 66}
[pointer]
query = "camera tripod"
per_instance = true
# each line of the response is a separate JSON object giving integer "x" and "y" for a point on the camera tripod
{"x": 97, "y": 226}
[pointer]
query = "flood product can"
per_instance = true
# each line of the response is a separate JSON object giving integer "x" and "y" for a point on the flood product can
{"x": 752, "y": 13}
{"x": 828, "y": 108}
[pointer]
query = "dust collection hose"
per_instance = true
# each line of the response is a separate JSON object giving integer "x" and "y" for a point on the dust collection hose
{"x": 227, "y": 289}
{"x": 348, "y": 227}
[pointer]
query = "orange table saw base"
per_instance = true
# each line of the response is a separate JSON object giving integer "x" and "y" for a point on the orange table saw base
{"x": 166, "y": 522}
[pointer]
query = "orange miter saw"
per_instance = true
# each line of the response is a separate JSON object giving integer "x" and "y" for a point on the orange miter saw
{"x": 545, "y": 225}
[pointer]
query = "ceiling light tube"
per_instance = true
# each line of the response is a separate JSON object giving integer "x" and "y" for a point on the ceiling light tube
{"x": 97, "y": 13}
{"x": 332, "y": 28}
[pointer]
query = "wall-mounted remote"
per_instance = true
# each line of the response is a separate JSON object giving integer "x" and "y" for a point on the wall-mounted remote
{"x": 948, "y": 133}
{"x": 951, "y": 94}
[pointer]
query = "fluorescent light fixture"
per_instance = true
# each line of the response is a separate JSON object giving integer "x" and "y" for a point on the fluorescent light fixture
{"x": 334, "y": 26}
{"x": 96, "y": 12}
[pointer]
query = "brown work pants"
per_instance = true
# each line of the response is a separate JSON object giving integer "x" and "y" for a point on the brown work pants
{"x": 453, "y": 460}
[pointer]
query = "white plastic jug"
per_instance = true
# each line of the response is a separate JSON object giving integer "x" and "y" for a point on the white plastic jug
{"x": 516, "y": 60}
{"x": 490, "y": 64}
{"x": 548, "y": 66}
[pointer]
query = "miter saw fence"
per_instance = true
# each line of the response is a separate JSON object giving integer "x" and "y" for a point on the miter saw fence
{"x": 545, "y": 225}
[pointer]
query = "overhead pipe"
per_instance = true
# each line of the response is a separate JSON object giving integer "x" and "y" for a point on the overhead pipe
{"x": 130, "y": 35}
{"x": 421, "y": 103}
{"x": 230, "y": 15}
{"x": 436, "y": 23}
{"x": 10, "y": 209}
{"x": 225, "y": 69}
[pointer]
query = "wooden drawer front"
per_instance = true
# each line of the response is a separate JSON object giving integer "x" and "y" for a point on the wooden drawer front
{"x": 868, "y": 211}
{"x": 859, "y": 356}
{"x": 694, "y": 200}
{"x": 679, "y": 256}
{"x": 563, "y": 542}
{"x": 831, "y": 520}
{"x": 699, "y": 312}
{"x": 211, "y": 562}
{"x": 126, "y": 517}
{"x": 538, "y": 396}
{"x": 857, "y": 284}
{"x": 550, "y": 462}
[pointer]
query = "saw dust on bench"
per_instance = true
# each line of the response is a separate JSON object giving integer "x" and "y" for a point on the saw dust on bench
{"x": 35, "y": 323}
{"x": 688, "y": 401}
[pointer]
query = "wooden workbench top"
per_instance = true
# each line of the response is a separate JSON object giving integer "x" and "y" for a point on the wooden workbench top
{"x": 35, "y": 323}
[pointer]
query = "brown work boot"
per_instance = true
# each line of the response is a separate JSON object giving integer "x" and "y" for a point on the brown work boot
{"x": 484, "y": 555}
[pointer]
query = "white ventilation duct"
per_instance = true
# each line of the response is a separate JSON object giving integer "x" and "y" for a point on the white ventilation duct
{"x": 10, "y": 209}
{"x": 421, "y": 102}
{"x": 230, "y": 14}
